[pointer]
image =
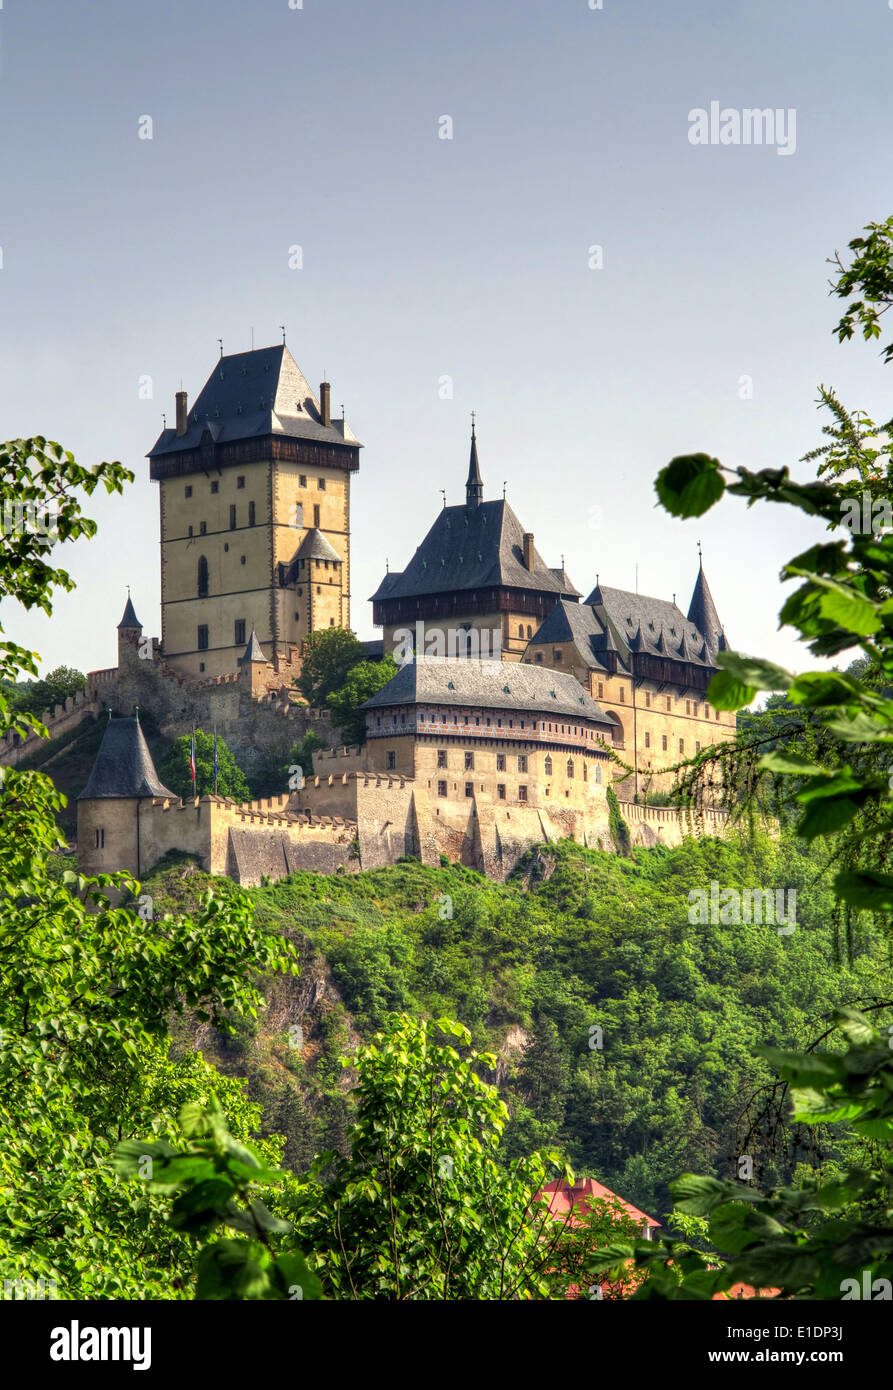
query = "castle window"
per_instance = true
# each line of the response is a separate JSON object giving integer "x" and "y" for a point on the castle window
{"x": 547, "y": 766}
{"x": 598, "y": 773}
{"x": 390, "y": 761}
{"x": 522, "y": 762}
{"x": 663, "y": 742}
{"x": 202, "y": 528}
{"x": 570, "y": 767}
{"x": 585, "y": 773}
{"x": 706, "y": 711}
{"x": 321, "y": 484}
{"x": 203, "y": 637}
{"x": 250, "y": 513}
{"x": 189, "y": 492}
{"x": 716, "y": 712}
{"x": 202, "y": 577}
{"x": 647, "y": 699}
{"x": 529, "y": 632}
{"x": 240, "y": 632}
{"x": 441, "y": 789}
{"x": 521, "y": 630}
{"x": 441, "y": 757}
{"x": 318, "y": 589}
{"x": 316, "y": 514}
{"x": 232, "y": 516}
{"x": 500, "y": 791}
{"x": 669, "y": 704}
{"x": 302, "y": 480}
{"x": 688, "y": 707}
{"x": 201, "y": 666}
{"x": 697, "y": 747}
{"x": 500, "y": 762}
{"x": 240, "y": 481}
{"x": 469, "y": 789}
{"x": 469, "y": 761}
{"x": 100, "y": 839}
{"x": 190, "y": 530}
{"x": 522, "y": 793}
{"x": 682, "y": 745}
{"x": 601, "y": 690}
{"x": 556, "y": 654}
{"x": 331, "y": 622}
{"x": 621, "y": 693}
{"x": 241, "y": 559}
{"x": 647, "y": 740}
{"x": 539, "y": 656}
{"x": 215, "y": 487}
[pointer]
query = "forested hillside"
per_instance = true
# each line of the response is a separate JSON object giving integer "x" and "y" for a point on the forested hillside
{"x": 576, "y": 940}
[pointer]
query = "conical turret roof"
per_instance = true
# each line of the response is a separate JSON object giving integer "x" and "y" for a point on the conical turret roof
{"x": 123, "y": 768}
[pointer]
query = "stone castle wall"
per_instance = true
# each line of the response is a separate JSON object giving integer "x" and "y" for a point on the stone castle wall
{"x": 59, "y": 720}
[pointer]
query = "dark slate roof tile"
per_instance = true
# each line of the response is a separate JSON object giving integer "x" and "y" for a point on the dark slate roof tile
{"x": 123, "y": 767}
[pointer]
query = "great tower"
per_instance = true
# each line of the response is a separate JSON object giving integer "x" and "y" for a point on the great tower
{"x": 254, "y": 496}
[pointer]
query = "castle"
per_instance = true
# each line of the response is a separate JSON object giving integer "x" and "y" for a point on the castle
{"x": 515, "y": 706}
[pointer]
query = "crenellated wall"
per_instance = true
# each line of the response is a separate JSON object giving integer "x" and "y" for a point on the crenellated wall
{"x": 59, "y": 720}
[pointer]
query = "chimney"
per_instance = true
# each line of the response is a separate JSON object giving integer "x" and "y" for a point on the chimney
{"x": 325, "y": 408}
{"x": 528, "y": 550}
{"x": 181, "y": 412}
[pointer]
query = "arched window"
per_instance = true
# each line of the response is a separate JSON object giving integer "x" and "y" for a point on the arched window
{"x": 547, "y": 766}
{"x": 570, "y": 767}
{"x": 520, "y": 629}
{"x": 529, "y": 631}
{"x": 202, "y": 577}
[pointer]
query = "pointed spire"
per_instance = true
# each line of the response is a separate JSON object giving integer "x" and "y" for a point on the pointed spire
{"x": 130, "y": 620}
{"x": 474, "y": 487}
{"x": 253, "y": 651}
{"x": 702, "y": 612}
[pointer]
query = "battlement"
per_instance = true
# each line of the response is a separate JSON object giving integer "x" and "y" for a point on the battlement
{"x": 59, "y": 720}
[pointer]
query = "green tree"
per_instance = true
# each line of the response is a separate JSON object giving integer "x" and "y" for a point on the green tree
{"x": 543, "y": 1073}
{"x": 36, "y": 697}
{"x": 328, "y": 656}
{"x": 176, "y": 774}
{"x": 86, "y": 989}
{"x": 422, "y": 1209}
{"x": 362, "y": 682}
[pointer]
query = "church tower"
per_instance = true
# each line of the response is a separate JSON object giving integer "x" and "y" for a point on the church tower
{"x": 254, "y": 494}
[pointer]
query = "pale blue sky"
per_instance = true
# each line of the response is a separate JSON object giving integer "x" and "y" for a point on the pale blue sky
{"x": 425, "y": 257}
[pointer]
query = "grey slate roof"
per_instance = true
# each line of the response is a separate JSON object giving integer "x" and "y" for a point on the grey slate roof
{"x": 130, "y": 619}
{"x": 573, "y": 622}
{"x": 251, "y": 394}
{"x": 314, "y": 546}
{"x": 472, "y": 548}
{"x": 123, "y": 766}
{"x": 639, "y": 623}
{"x": 702, "y": 613}
{"x": 254, "y": 650}
{"x": 509, "y": 685}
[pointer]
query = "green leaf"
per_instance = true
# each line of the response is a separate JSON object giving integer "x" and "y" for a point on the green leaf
{"x": 690, "y": 485}
{"x": 872, "y": 892}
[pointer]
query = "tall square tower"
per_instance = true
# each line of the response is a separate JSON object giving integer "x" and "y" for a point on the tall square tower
{"x": 254, "y": 495}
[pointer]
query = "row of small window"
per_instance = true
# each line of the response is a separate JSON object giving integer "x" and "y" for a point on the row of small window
{"x": 664, "y": 742}
{"x": 469, "y": 790}
{"x": 691, "y": 707}
{"x": 240, "y": 483}
{"x": 500, "y": 761}
{"x": 239, "y": 638}
{"x": 233, "y": 520}
{"x": 430, "y": 716}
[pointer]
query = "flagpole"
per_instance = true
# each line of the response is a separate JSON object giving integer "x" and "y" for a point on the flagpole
{"x": 215, "y": 757}
{"x": 192, "y": 760}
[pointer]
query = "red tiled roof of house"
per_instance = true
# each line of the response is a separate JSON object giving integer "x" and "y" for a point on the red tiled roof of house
{"x": 566, "y": 1199}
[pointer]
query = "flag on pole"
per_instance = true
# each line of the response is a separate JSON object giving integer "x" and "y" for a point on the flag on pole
{"x": 215, "y": 762}
{"x": 192, "y": 761}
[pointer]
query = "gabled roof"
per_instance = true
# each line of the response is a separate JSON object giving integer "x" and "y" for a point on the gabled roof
{"x": 509, "y": 685}
{"x": 123, "y": 767}
{"x": 314, "y": 546}
{"x": 253, "y": 651}
{"x": 639, "y": 623}
{"x": 703, "y": 615}
{"x": 251, "y": 394}
{"x": 130, "y": 620}
{"x": 478, "y": 547}
{"x": 573, "y": 622}
{"x": 562, "y": 1198}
